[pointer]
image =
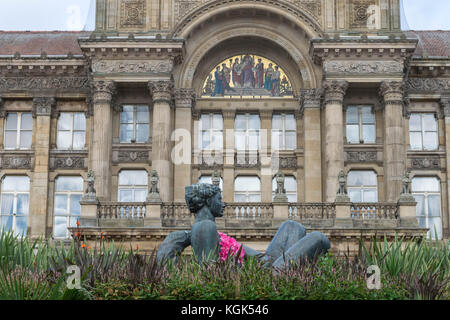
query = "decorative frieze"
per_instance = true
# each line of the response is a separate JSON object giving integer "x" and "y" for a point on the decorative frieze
{"x": 161, "y": 91}
{"x": 361, "y": 156}
{"x": 43, "y": 83}
{"x": 431, "y": 85}
{"x": 284, "y": 162}
{"x": 360, "y": 13}
{"x": 68, "y": 163}
{"x": 335, "y": 91}
{"x": 42, "y": 106}
{"x": 16, "y": 162}
{"x": 425, "y": 162}
{"x": 124, "y": 66}
{"x": 363, "y": 67}
{"x": 132, "y": 156}
{"x": 247, "y": 160}
{"x": 132, "y": 13}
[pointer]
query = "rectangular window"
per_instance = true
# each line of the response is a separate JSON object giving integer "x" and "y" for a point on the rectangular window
{"x": 134, "y": 124}
{"x": 423, "y": 131}
{"x": 15, "y": 204}
{"x": 246, "y": 132}
{"x": 211, "y": 132}
{"x": 360, "y": 125}
{"x": 18, "y": 130}
{"x": 71, "y": 131}
{"x": 284, "y": 132}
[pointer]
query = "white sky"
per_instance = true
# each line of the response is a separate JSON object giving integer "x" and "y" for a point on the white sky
{"x": 80, "y": 14}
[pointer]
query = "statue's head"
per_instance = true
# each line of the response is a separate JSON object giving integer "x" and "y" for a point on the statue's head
{"x": 201, "y": 194}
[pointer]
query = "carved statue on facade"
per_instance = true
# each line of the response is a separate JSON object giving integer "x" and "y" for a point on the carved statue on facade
{"x": 406, "y": 195}
{"x": 153, "y": 194}
{"x": 342, "y": 183}
{"x": 90, "y": 193}
{"x": 216, "y": 178}
{"x": 280, "y": 192}
{"x": 289, "y": 244}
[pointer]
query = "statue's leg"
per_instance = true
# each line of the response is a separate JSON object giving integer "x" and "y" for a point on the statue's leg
{"x": 313, "y": 244}
{"x": 287, "y": 235}
{"x": 173, "y": 245}
{"x": 205, "y": 240}
{"x": 250, "y": 252}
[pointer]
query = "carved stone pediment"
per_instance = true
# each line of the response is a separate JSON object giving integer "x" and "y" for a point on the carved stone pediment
{"x": 363, "y": 67}
{"x": 129, "y": 66}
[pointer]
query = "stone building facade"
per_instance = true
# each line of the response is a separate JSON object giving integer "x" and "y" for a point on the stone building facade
{"x": 108, "y": 127}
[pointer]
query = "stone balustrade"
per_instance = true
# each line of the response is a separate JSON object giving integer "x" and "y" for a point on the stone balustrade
{"x": 302, "y": 211}
{"x": 374, "y": 211}
{"x": 121, "y": 210}
{"x": 248, "y": 211}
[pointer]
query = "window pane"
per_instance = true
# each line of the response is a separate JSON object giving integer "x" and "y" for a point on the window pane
{"x": 277, "y": 122}
{"x": 23, "y": 204}
{"x": 434, "y": 206}
{"x": 254, "y": 198}
{"x": 140, "y": 195}
{"x": 64, "y": 140}
{"x": 277, "y": 140}
{"x": 65, "y": 121}
{"x": 370, "y": 195}
{"x": 247, "y": 184}
{"x": 16, "y": 183}
{"x": 217, "y": 122}
{"x": 7, "y": 204}
{"x": 218, "y": 141}
{"x": 240, "y": 122}
{"x": 126, "y": 132}
{"x": 353, "y": 134}
{"x": 429, "y": 122}
{"x": 291, "y": 140}
{"x": 435, "y": 225}
{"x": 205, "y": 140}
{"x": 69, "y": 184}
{"x": 415, "y": 122}
{"x": 21, "y": 226}
{"x": 239, "y": 140}
{"x": 75, "y": 207}
{"x": 425, "y": 185}
{"x": 362, "y": 178}
{"x": 6, "y": 223}
{"x": 253, "y": 140}
{"x": 352, "y": 115}
{"x": 26, "y": 139}
{"x": 239, "y": 198}
{"x": 10, "y": 139}
{"x": 79, "y": 140}
{"x": 11, "y": 121}
{"x": 355, "y": 195}
{"x": 420, "y": 208}
{"x": 142, "y": 132}
{"x": 27, "y": 122}
{"x": 253, "y": 122}
{"x": 369, "y": 133}
{"x": 367, "y": 115}
{"x": 133, "y": 177}
{"x": 127, "y": 114}
{"x": 125, "y": 196}
{"x": 61, "y": 204}
{"x": 415, "y": 140}
{"x": 291, "y": 124}
{"x": 79, "y": 122}
{"x": 60, "y": 227}
{"x": 430, "y": 140}
{"x": 142, "y": 114}
{"x": 205, "y": 122}
{"x": 290, "y": 184}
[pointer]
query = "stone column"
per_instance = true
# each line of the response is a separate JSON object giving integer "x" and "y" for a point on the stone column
{"x": 334, "y": 135}
{"x": 228, "y": 167}
{"x": 162, "y": 95}
{"x": 184, "y": 102}
{"x": 394, "y": 147}
{"x": 42, "y": 109}
{"x": 103, "y": 94}
{"x": 265, "y": 155}
{"x": 445, "y": 104}
{"x": 310, "y": 105}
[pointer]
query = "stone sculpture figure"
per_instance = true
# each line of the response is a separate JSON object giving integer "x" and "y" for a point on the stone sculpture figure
{"x": 153, "y": 194}
{"x": 90, "y": 194}
{"x": 290, "y": 243}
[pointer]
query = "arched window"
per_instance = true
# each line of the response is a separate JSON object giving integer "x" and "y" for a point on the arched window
{"x": 247, "y": 189}
{"x": 290, "y": 184}
{"x": 133, "y": 185}
{"x": 15, "y": 200}
{"x": 362, "y": 186}
{"x": 427, "y": 192}
{"x": 67, "y": 209}
{"x": 208, "y": 180}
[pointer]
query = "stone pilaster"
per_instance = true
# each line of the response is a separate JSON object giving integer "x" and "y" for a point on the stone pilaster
{"x": 2, "y": 122}
{"x": 266, "y": 155}
{"x": 394, "y": 148}
{"x": 228, "y": 168}
{"x": 445, "y": 105}
{"x": 184, "y": 102}
{"x": 310, "y": 104}
{"x": 42, "y": 108}
{"x": 103, "y": 94}
{"x": 334, "y": 136}
{"x": 162, "y": 97}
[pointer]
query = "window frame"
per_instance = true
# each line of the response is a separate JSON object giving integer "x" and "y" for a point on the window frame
{"x": 423, "y": 131}
{"x": 283, "y": 131}
{"x": 361, "y": 124}
{"x": 363, "y": 188}
{"x": 212, "y": 132}
{"x": 247, "y": 132}
{"x": 18, "y": 131}
{"x": 71, "y": 131}
{"x": 135, "y": 123}
{"x": 247, "y": 193}
{"x": 15, "y": 195}
{"x": 132, "y": 187}
{"x": 426, "y": 195}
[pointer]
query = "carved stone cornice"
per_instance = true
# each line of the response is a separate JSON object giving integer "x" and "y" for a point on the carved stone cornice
{"x": 335, "y": 91}
{"x": 392, "y": 92}
{"x": 161, "y": 91}
{"x": 37, "y": 83}
{"x": 42, "y": 106}
{"x": 128, "y": 66}
{"x": 185, "y": 98}
{"x": 103, "y": 91}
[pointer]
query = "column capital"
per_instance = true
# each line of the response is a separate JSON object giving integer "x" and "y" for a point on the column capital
{"x": 310, "y": 99}
{"x": 335, "y": 91}
{"x": 445, "y": 106}
{"x": 161, "y": 91}
{"x": 42, "y": 106}
{"x": 228, "y": 114}
{"x": 103, "y": 91}
{"x": 392, "y": 91}
{"x": 185, "y": 98}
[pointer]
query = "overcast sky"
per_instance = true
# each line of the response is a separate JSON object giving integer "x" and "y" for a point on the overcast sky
{"x": 80, "y": 14}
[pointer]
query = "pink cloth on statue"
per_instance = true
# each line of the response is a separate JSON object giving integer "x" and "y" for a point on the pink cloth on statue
{"x": 230, "y": 245}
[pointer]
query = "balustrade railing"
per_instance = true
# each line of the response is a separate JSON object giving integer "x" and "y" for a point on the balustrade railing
{"x": 304, "y": 211}
{"x": 374, "y": 211}
{"x": 121, "y": 210}
{"x": 175, "y": 211}
{"x": 248, "y": 211}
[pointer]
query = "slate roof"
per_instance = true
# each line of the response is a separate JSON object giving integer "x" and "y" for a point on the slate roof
{"x": 431, "y": 43}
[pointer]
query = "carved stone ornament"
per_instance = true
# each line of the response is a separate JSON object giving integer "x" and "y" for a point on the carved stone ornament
{"x": 360, "y": 13}
{"x": 426, "y": 163}
{"x": 185, "y": 98}
{"x": 153, "y": 194}
{"x": 133, "y": 156}
{"x": 68, "y": 163}
{"x": 284, "y": 162}
{"x": 431, "y": 85}
{"x": 280, "y": 192}
{"x": 16, "y": 162}
{"x": 90, "y": 194}
{"x": 42, "y": 106}
{"x": 363, "y": 67}
{"x": 43, "y": 83}
{"x": 154, "y": 66}
{"x": 361, "y": 156}
{"x": 103, "y": 91}
{"x": 132, "y": 13}
{"x": 311, "y": 98}
{"x": 161, "y": 91}
{"x": 392, "y": 92}
{"x": 342, "y": 194}
{"x": 215, "y": 178}
{"x": 406, "y": 195}
{"x": 335, "y": 91}
{"x": 247, "y": 160}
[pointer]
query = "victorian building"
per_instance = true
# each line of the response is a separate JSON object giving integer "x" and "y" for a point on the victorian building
{"x": 322, "y": 111}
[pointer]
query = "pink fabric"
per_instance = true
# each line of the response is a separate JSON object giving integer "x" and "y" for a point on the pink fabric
{"x": 230, "y": 245}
